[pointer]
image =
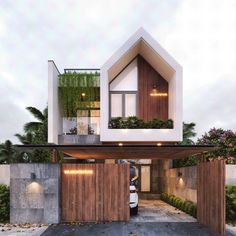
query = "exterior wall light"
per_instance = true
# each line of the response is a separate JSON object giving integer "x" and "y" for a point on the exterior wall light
{"x": 154, "y": 92}
{"x": 120, "y": 144}
{"x": 158, "y": 94}
{"x": 180, "y": 174}
{"x": 159, "y": 144}
{"x": 83, "y": 94}
{"x": 78, "y": 172}
{"x": 32, "y": 176}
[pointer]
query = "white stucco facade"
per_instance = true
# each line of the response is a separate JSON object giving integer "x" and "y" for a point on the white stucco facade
{"x": 142, "y": 43}
{"x": 54, "y": 117}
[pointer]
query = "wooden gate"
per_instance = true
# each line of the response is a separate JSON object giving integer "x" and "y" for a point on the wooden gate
{"x": 95, "y": 192}
{"x": 211, "y": 195}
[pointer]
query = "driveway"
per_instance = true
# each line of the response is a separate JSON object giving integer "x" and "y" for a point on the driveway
{"x": 154, "y": 218}
{"x": 131, "y": 229}
{"x": 159, "y": 211}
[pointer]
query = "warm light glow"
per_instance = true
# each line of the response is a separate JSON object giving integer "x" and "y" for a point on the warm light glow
{"x": 83, "y": 94}
{"x": 78, "y": 172}
{"x": 181, "y": 181}
{"x": 159, "y": 94}
{"x": 34, "y": 187}
{"x": 120, "y": 144}
{"x": 158, "y": 144}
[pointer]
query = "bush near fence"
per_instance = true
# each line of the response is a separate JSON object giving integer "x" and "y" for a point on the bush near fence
{"x": 183, "y": 205}
{"x": 4, "y": 203}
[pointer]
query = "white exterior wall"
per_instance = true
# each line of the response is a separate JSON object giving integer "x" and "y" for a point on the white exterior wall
{"x": 54, "y": 117}
{"x": 173, "y": 76}
{"x": 127, "y": 80}
{"x": 5, "y": 174}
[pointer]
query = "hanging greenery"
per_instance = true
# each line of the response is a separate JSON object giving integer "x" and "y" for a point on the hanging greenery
{"x": 78, "y": 91}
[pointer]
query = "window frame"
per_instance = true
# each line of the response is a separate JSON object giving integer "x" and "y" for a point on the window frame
{"x": 123, "y": 93}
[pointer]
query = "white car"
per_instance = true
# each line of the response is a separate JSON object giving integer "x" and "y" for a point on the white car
{"x": 133, "y": 200}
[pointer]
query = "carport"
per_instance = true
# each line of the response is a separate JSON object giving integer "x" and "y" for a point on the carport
{"x": 210, "y": 177}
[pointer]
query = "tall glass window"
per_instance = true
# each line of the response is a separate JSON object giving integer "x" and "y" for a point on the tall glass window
{"x": 123, "y": 104}
{"x": 130, "y": 104}
{"x": 116, "y": 105}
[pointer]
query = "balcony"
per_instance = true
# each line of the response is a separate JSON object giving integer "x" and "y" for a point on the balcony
{"x": 79, "y": 139}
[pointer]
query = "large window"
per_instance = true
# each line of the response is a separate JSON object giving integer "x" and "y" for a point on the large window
{"x": 123, "y": 92}
{"x": 87, "y": 122}
{"x": 123, "y": 104}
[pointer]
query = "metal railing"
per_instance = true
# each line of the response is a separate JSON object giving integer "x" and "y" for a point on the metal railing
{"x": 81, "y": 70}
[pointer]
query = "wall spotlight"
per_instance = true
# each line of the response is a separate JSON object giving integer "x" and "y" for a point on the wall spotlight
{"x": 32, "y": 176}
{"x": 180, "y": 174}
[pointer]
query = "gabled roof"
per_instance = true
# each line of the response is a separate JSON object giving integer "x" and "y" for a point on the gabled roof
{"x": 141, "y": 42}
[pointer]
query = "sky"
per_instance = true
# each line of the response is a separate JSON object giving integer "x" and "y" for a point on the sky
{"x": 200, "y": 35}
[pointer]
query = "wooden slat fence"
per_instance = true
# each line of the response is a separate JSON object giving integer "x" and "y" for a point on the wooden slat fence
{"x": 95, "y": 192}
{"x": 211, "y": 195}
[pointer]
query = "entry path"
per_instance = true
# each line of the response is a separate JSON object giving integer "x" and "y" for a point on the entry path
{"x": 159, "y": 211}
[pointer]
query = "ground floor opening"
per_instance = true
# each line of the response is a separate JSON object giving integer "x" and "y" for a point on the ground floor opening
{"x": 101, "y": 191}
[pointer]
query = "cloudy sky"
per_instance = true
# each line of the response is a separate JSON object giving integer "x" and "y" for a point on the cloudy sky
{"x": 200, "y": 35}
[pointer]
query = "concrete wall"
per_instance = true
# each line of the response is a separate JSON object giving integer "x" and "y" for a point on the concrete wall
{"x": 5, "y": 174}
{"x": 230, "y": 174}
{"x": 35, "y": 201}
{"x": 186, "y": 186}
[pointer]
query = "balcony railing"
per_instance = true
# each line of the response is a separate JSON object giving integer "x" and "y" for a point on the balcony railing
{"x": 81, "y": 70}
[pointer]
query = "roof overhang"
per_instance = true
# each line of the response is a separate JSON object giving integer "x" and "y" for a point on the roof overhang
{"x": 125, "y": 152}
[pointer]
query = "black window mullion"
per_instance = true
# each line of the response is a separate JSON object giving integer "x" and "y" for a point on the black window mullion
{"x": 123, "y": 105}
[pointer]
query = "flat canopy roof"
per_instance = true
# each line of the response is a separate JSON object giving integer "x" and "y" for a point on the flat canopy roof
{"x": 129, "y": 151}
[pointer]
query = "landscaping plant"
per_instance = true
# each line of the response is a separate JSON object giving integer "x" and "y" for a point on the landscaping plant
{"x": 4, "y": 203}
{"x": 133, "y": 122}
{"x": 231, "y": 203}
{"x": 183, "y": 205}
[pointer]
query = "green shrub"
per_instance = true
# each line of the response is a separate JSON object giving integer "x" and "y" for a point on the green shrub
{"x": 134, "y": 122}
{"x": 231, "y": 203}
{"x": 4, "y": 203}
{"x": 186, "y": 206}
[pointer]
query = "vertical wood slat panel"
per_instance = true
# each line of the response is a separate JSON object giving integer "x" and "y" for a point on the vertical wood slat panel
{"x": 151, "y": 107}
{"x": 102, "y": 196}
{"x": 211, "y": 195}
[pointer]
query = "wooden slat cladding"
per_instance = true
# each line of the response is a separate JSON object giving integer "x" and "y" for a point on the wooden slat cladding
{"x": 151, "y": 107}
{"x": 211, "y": 195}
{"x": 100, "y": 196}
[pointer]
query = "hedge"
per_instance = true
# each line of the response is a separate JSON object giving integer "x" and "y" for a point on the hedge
{"x": 133, "y": 122}
{"x": 184, "y": 205}
{"x": 231, "y": 203}
{"x": 4, "y": 203}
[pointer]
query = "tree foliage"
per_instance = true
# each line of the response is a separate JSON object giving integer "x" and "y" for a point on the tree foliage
{"x": 36, "y": 132}
{"x": 188, "y": 135}
{"x": 225, "y": 141}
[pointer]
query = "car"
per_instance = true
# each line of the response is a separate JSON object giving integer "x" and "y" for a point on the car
{"x": 133, "y": 200}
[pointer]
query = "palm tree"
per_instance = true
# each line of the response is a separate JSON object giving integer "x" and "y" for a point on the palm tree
{"x": 25, "y": 138}
{"x": 188, "y": 133}
{"x": 7, "y": 152}
{"x": 35, "y": 131}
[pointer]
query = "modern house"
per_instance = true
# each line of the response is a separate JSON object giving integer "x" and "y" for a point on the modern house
{"x": 135, "y": 98}
{"x": 140, "y": 79}
{"x": 129, "y": 109}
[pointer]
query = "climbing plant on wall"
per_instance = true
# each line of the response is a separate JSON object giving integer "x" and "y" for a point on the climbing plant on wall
{"x": 78, "y": 91}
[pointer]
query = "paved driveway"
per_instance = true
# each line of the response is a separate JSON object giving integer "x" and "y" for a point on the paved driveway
{"x": 131, "y": 229}
{"x": 159, "y": 211}
{"x": 154, "y": 218}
